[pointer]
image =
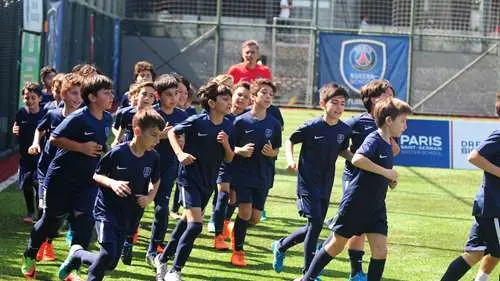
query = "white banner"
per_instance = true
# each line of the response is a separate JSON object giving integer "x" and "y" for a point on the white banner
{"x": 33, "y": 15}
{"x": 466, "y": 136}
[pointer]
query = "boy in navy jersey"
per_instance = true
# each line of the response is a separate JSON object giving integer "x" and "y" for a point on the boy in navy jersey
{"x": 145, "y": 95}
{"x": 362, "y": 125}
{"x": 166, "y": 87}
{"x": 257, "y": 138}
{"x": 362, "y": 208}
{"x": 27, "y": 119}
{"x": 485, "y": 231}
{"x": 207, "y": 144}
{"x": 323, "y": 139}
{"x": 128, "y": 177}
{"x": 56, "y": 92}
{"x": 70, "y": 94}
{"x": 47, "y": 73}
{"x": 226, "y": 197}
{"x": 71, "y": 191}
{"x": 143, "y": 72}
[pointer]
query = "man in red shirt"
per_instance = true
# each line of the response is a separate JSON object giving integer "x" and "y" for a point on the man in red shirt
{"x": 249, "y": 69}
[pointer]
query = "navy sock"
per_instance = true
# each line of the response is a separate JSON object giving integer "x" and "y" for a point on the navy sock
{"x": 321, "y": 259}
{"x": 230, "y": 211}
{"x": 174, "y": 240}
{"x": 376, "y": 269}
{"x": 240, "y": 231}
{"x": 310, "y": 241}
{"x": 159, "y": 226}
{"x": 186, "y": 245}
{"x": 218, "y": 215}
{"x": 40, "y": 232}
{"x": 99, "y": 263}
{"x": 356, "y": 258}
{"x": 456, "y": 270}
{"x": 293, "y": 239}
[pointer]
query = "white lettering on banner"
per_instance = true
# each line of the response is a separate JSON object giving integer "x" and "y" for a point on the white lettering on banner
{"x": 429, "y": 142}
{"x": 466, "y": 136}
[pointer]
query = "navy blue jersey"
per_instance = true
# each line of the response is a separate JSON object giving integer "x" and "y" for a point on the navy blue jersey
{"x": 46, "y": 98}
{"x": 126, "y": 123}
{"x": 487, "y": 201}
{"x": 256, "y": 171}
{"x": 167, "y": 155}
{"x": 201, "y": 142}
{"x": 275, "y": 112}
{"x": 27, "y": 123}
{"x": 366, "y": 192}
{"x": 50, "y": 121}
{"x": 321, "y": 145}
{"x": 190, "y": 111}
{"x": 124, "y": 102}
{"x": 225, "y": 168}
{"x": 121, "y": 164}
{"x": 51, "y": 105}
{"x": 72, "y": 167}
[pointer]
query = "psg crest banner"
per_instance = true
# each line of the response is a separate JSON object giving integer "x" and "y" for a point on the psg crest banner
{"x": 353, "y": 60}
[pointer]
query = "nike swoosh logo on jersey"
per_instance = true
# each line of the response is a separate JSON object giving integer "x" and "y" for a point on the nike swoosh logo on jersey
{"x": 355, "y": 132}
{"x": 24, "y": 122}
{"x": 121, "y": 168}
{"x": 249, "y": 131}
{"x": 368, "y": 127}
{"x": 202, "y": 135}
{"x": 318, "y": 137}
{"x": 382, "y": 156}
{"x": 88, "y": 133}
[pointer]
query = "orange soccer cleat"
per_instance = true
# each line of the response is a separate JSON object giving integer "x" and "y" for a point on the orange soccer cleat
{"x": 238, "y": 259}
{"x": 219, "y": 243}
{"x": 48, "y": 253}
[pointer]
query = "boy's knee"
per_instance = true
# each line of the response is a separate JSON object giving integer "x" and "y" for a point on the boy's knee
{"x": 379, "y": 252}
{"x": 471, "y": 258}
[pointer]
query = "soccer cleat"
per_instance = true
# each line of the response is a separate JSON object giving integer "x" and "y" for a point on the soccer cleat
{"x": 28, "y": 219}
{"x": 211, "y": 227}
{"x": 73, "y": 277}
{"x": 28, "y": 268}
{"x": 278, "y": 257}
{"x": 150, "y": 260}
{"x": 173, "y": 276}
{"x": 219, "y": 243}
{"x": 136, "y": 236}
{"x": 225, "y": 229}
{"x": 48, "y": 253}
{"x": 67, "y": 266}
{"x": 69, "y": 237}
{"x": 238, "y": 259}
{"x": 160, "y": 248}
{"x": 41, "y": 250}
{"x": 263, "y": 216}
{"x": 126, "y": 256}
{"x": 230, "y": 228}
{"x": 360, "y": 276}
{"x": 161, "y": 268}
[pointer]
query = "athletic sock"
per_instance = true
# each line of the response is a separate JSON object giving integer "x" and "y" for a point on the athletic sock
{"x": 321, "y": 259}
{"x": 376, "y": 269}
{"x": 218, "y": 214}
{"x": 456, "y": 270}
{"x": 174, "y": 240}
{"x": 186, "y": 245}
{"x": 356, "y": 258}
{"x": 482, "y": 276}
{"x": 293, "y": 239}
{"x": 240, "y": 231}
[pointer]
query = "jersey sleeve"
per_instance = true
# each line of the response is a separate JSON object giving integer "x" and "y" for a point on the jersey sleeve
{"x": 185, "y": 126}
{"x": 490, "y": 146}
{"x": 105, "y": 165}
{"x": 118, "y": 119}
{"x": 345, "y": 144}
{"x": 155, "y": 174}
{"x": 299, "y": 135}
{"x": 369, "y": 147}
{"x": 69, "y": 127}
{"x": 276, "y": 140}
{"x": 44, "y": 123}
{"x": 351, "y": 122}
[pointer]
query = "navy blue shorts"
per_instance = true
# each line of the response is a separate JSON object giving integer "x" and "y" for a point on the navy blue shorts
{"x": 26, "y": 176}
{"x": 108, "y": 232}
{"x": 484, "y": 236}
{"x": 225, "y": 173}
{"x": 61, "y": 200}
{"x": 348, "y": 226}
{"x": 167, "y": 181}
{"x": 256, "y": 196}
{"x": 311, "y": 207}
{"x": 192, "y": 197}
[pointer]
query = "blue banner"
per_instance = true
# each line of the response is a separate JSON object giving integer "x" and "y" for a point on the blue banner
{"x": 54, "y": 34}
{"x": 426, "y": 143}
{"x": 116, "y": 53}
{"x": 353, "y": 60}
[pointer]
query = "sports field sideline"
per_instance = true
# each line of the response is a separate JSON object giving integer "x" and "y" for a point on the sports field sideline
{"x": 429, "y": 219}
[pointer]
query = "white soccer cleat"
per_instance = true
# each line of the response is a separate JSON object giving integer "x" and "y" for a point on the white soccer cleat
{"x": 161, "y": 269}
{"x": 173, "y": 276}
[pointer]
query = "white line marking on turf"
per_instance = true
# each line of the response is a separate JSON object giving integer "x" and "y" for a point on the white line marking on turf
{"x": 6, "y": 183}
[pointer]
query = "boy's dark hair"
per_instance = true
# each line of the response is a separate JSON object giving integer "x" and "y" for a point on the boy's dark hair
{"x": 243, "y": 84}
{"x": 45, "y": 71}
{"x": 331, "y": 90}
{"x": 389, "y": 107}
{"x": 141, "y": 66}
{"x": 165, "y": 82}
{"x": 147, "y": 119}
{"x": 31, "y": 87}
{"x": 93, "y": 84}
{"x": 373, "y": 89}
{"x": 211, "y": 91}
{"x": 259, "y": 83}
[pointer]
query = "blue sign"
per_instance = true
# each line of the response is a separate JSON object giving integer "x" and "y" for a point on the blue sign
{"x": 354, "y": 60}
{"x": 55, "y": 14}
{"x": 426, "y": 143}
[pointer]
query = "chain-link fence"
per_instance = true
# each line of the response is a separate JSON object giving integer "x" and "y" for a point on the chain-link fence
{"x": 453, "y": 58}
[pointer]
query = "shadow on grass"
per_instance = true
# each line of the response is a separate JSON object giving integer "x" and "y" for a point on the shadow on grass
{"x": 442, "y": 188}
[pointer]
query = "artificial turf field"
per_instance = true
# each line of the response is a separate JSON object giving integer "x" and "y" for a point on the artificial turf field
{"x": 429, "y": 218}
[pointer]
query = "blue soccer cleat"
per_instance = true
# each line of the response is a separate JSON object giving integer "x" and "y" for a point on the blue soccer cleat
{"x": 360, "y": 276}
{"x": 278, "y": 257}
{"x": 126, "y": 256}
{"x": 68, "y": 266}
{"x": 263, "y": 216}
{"x": 69, "y": 237}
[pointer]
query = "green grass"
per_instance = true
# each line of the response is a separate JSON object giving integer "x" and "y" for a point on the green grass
{"x": 429, "y": 219}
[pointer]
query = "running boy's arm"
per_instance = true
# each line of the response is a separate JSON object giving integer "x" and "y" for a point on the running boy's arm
{"x": 90, "y": 148}
{"x": 120, "y": 188}
{"x": 183, "y": 157}
{"x": 484, "y": 164}
{"x": 145, "y": 200}
{"x": 291, "y": 165}
{"x": 364, "y": 163}
{"x": 35, "y": 149}
{"x": 223, "y": 139}
{"x": 346, "y": 154}
{"x": 395, "y": 147}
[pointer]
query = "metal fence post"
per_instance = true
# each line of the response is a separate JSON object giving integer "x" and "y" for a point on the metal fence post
{"x": 314, "y": 45}
{"x": 410, "y": 51}
{"x": 217, "y": 37}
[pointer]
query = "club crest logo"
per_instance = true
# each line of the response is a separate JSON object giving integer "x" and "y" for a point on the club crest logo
{"x": 362, "y": 60}
{"x": 268, "y": 133}
{"x": 146, "y": 172}
{"x": 340, "y": 138}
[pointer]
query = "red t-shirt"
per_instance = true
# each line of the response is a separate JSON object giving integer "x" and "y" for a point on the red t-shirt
{"x": 241, "y": 73}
